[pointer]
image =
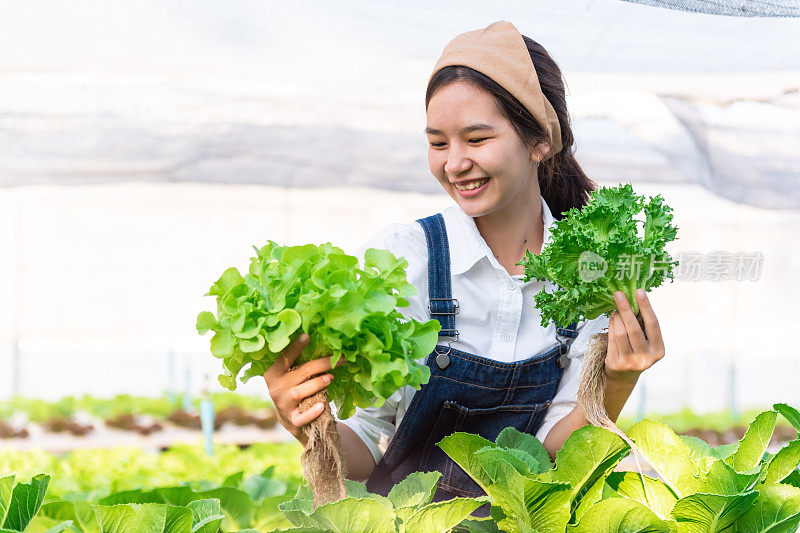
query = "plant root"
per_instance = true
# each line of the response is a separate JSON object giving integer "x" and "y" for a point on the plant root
{"x": 322, "y": 456}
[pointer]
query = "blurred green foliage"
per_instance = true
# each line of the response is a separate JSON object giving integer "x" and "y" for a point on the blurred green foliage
{"x": 104, "y": 408}
{"x": 91, "y": 474}
{"x": 685, "y": 419}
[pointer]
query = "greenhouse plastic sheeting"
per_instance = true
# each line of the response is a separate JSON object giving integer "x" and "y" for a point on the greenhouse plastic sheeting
{"x": 227, "y": 95}
{"x": 746, "y": 8}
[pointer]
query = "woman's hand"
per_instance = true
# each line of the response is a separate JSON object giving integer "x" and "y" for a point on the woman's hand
{"x": 630, "y": 351}
{"x": 289, "y": 386}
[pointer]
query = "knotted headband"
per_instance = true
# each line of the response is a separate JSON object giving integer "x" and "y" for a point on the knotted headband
{"x": 499, "y": 51}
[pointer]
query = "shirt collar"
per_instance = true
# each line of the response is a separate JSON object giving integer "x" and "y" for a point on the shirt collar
{"x": 467, "y": 246}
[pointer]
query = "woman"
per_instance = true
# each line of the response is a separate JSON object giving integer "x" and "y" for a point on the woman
{"x": 500, "y": 145}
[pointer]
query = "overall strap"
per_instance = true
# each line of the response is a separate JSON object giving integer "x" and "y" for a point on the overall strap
{"x": 569, "y": 332}
{"x": 442, "y": 306}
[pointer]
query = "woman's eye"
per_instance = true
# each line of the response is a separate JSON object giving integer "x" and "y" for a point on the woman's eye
{"x": 473, "y": 141}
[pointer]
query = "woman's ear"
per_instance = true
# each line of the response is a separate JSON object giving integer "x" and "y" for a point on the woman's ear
{"x": 540, "y": 151}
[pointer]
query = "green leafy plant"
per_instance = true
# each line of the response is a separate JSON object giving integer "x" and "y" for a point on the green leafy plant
{"x": 526, "y": 492}
{"x": 238, "y": 504}
{"x": 41, "y": 410}
{"x": 19, "y": 503}
{"x": 742, "y": 486}
{"x": 600, "y": 249}
{"x": 349, "y": 313}
{"x": 91, "y": 474}
{"x": 732, "y": 488}
{"x": 407, "y": 508}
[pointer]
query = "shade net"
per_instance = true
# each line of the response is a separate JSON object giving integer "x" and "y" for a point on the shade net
{"x": 745, "y": 8}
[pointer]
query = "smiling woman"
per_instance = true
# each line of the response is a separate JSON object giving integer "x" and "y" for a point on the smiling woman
{"x": 500, "y": 144}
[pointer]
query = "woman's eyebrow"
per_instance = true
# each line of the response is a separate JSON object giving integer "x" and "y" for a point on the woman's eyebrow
{"x": 466, "y": 129}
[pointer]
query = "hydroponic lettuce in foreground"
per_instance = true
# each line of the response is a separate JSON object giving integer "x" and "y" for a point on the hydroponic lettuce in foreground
{"x": 734, "y": 488}
{"x": 737, "y": 488}
{"x": 348, "y": 312}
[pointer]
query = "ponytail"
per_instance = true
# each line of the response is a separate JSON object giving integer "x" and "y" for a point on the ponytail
{"x": 562, "y": 181}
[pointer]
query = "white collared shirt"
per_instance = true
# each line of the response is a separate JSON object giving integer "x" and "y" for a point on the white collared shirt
{"x": 497, "y": 319}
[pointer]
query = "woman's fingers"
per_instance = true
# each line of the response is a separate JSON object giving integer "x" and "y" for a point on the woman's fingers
{"x": 309, "y": 388}
{"x": 620, "y": 333}
{"x": 635, "y": 333}
{"x": 299, "y": 419}
{"x": 287, "y": 357}
{"x": 617, "y": 364}
{"x": 629, "y": 352}
{"x": 611, "y": 352}
{"x": 287, "y": 400}
{"x": 288, "y": 386}
{"x": 650, "y": 323}
{"x": 309, "y": 369}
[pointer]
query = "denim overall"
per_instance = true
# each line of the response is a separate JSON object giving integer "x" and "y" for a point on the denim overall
{"x": 466, "y": 392}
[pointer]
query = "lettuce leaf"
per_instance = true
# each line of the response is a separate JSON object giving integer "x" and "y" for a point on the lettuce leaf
{"x": 602, "y": 248}
{"x": 348, "y": 311}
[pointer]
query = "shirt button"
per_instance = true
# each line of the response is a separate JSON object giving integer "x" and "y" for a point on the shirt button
{"x": 506, "y": 337}
{"x": 511, "y": 286}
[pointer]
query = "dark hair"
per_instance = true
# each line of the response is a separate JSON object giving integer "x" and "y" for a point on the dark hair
{"x": 562, "y": 182}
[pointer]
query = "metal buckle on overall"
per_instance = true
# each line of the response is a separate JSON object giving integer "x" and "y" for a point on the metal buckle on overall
{"x": 443, "y": 359}
{"x": 455, "y": 312}
{"x": 563, "y": 348}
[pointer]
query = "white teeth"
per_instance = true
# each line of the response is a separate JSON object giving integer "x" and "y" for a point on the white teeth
{"x": 471, "y": 185}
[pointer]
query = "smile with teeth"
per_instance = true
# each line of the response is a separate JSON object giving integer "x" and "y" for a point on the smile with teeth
{"x": 471, "y": 185}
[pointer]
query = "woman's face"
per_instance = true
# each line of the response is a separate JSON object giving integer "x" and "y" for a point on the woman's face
{"x": 472, "y": 144}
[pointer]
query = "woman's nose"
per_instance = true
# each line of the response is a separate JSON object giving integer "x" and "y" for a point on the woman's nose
{"x": 457, "y": 161}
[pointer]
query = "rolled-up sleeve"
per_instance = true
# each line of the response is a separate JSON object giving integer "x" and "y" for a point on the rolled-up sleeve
{"x": 376, "y": 425}
{"x": 566, "y": 396}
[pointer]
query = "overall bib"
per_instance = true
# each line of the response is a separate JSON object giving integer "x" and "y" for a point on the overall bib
{"x": 466, "y": 392}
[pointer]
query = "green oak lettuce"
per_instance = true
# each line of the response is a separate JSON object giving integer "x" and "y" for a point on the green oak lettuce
{"x": 347, "y": 310}
{"x": 614, "y": 243}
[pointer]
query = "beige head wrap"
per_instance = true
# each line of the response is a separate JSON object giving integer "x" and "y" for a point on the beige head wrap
{"x": 499, "y": 51}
